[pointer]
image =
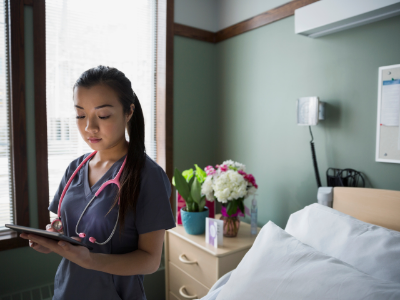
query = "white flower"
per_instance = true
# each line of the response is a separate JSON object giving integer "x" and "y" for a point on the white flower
{"x": 207, "y": 188}
{"x": 229, "y": 186}
{"x": 240, "y": 166}
{"x": 235, "y": 164}
{"x": 229, "y": 163}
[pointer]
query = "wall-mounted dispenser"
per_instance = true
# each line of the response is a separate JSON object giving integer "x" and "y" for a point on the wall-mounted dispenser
{"x": 309, "y": 111}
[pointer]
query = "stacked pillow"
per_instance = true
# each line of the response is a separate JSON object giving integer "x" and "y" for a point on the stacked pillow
{"x": 327, "y": 255}
{"x": 372, "y": 249}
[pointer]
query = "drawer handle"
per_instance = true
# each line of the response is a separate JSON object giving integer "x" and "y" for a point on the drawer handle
{"x": 184, "y": 295}
{"x": 185, "y": 261}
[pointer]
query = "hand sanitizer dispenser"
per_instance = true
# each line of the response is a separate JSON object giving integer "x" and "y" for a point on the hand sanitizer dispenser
{"x": 325, "y": 196}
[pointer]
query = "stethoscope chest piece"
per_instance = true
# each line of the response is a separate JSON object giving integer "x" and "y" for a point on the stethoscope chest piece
{"x": 57, "y": 225}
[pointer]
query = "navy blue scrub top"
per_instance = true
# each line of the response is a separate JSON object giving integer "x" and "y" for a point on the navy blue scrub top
{"x": 153, "y": 212}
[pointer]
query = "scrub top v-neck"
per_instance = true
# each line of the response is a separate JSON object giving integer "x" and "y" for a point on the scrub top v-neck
{"x": 153, "y": 212}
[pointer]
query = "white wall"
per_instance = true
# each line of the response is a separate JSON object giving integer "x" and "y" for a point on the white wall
{"x": 231, "y": 12}
{"x": 201, "y": 14}
{"x": 214, "y": 15}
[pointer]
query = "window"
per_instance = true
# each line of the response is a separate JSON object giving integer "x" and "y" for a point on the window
{"x": 6, "y": 203}
{"x": 84, "y": 34}
{"x": 155, "y": 20}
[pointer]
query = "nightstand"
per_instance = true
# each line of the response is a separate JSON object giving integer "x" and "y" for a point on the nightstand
{"x": 192, "y": 266}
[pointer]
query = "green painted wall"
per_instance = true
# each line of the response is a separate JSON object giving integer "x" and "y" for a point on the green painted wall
{"x": 261, "y": 74}
{"x": 195, "y": 103}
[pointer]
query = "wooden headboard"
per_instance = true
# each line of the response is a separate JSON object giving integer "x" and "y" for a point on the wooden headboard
{"x": 379, "y": 207}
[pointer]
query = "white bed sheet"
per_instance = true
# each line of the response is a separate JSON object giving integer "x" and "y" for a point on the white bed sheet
{"x": 278, "y": 266}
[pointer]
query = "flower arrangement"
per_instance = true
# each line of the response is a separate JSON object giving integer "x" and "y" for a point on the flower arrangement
{"x": 229, "y": 184}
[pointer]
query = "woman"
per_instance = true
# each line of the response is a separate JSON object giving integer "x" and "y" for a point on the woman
{"x": 125, "y": 227}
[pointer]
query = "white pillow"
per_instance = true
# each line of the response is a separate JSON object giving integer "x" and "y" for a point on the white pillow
{"x": 371, "y": 249}
{"x": 278, "y": 266}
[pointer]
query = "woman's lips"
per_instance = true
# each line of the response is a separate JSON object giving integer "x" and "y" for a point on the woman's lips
{"x": 94, "y": 140}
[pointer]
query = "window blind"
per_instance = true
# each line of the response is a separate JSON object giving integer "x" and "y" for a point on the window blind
{"x": 84, "y": 34}
{"x": 6, "y": 200}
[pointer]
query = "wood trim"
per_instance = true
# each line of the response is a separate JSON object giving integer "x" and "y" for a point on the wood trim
{"x": 164, "y": 86}
{"x": 265, "y": 18}
{"x": 39, "y": 33}
{"x": 194, "y": 33}
{"x": 29, "y": 2}
{"x": 10, "y": 240}
{"x": 19, "y": 163}
{"x": 170, "y": 91}
{"x": 18, "y": 113}
{"x": 260, "y": 20}
{"x": 161, "y": 81}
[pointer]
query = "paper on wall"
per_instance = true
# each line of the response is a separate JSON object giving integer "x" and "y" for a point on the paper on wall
{"x": 390, "y": 106}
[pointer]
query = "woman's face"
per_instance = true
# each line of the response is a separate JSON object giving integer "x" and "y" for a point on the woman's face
{"x": 100, "y": 117}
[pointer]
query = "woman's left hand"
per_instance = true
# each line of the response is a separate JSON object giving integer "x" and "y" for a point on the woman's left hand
{"x": 77, "y": 254}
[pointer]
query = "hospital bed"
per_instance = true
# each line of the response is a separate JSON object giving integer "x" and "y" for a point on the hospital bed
{"x": 349, "y": 252}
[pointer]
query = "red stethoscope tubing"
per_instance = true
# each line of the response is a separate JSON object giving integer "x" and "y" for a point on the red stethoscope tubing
{"x": 115, "y": 181}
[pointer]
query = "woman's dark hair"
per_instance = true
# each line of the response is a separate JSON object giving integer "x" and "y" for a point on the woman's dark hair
{"x": 130, "y": 178}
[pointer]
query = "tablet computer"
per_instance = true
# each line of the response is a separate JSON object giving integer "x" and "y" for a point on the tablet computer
{"x": 47, "y": 234}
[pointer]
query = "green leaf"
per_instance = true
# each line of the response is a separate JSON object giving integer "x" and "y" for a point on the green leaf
{"x": 189, "y": 200}
{"x": 181, "y": 184}
{"x": 173, "y": 180}
{"x": 194, "y": 207}
{"x": 232, "y": 168}
{"x": 200, "y": 174}
{"x": 233, "y": 208}
{"x": 196, "y": 191}
{"x": 188, "y": 174}
{"x": 202, "y": 203}
{"x": 241, "y": 206}
{"x": 191, "y": 182}
{"x": 228, "y": 207}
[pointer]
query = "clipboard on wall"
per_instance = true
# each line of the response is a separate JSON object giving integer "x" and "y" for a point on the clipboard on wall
{"x": 388, "y": 120}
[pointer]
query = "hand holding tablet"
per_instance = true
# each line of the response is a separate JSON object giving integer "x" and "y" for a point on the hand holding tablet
{"x": 47, "y": 234}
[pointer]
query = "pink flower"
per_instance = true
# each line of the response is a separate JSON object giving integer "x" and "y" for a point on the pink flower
{"x": 243, "y": 173}
{"x": 250, "y": 178}
{"x": 224, "y": 168}
{"x": 209, "y": 170}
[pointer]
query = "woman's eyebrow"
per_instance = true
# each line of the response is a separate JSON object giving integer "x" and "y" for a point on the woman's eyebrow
{"x": 105, "y": 105}
{"x": 101, "y": 106}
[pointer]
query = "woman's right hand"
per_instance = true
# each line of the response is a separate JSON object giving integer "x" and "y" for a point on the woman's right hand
{"x": 40, "y": 248}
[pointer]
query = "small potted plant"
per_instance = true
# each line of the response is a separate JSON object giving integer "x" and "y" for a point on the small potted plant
{"x": 229, "y": 184}
{"x": 188, "y": 183}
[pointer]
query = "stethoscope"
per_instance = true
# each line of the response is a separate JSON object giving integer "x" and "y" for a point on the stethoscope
{"x": 57, "y": 224}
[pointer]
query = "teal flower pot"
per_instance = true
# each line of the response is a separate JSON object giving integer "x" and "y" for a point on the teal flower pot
{"x": 194, "y": 222}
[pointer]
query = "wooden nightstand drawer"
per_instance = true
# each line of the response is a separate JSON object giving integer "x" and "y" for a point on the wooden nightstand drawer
{"x": 183, "y": 284}
{"x": 194, "y": 261}
{"x": 173, "y": 297}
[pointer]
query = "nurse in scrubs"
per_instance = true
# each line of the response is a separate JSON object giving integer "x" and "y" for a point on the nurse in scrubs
{"x": 126, "y": 225}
